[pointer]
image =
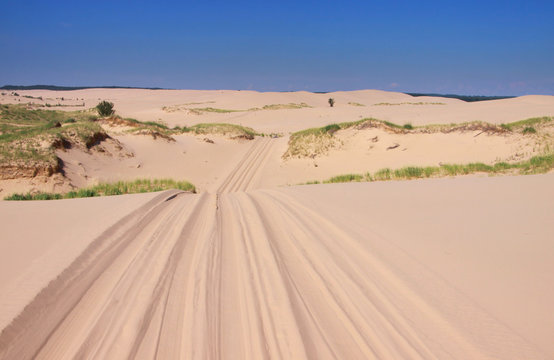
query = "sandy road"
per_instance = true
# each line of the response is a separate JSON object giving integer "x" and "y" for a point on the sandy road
{"x": 245, "y": 175}
{"x": 247, "y": 273}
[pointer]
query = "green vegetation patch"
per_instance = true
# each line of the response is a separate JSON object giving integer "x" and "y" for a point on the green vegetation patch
{"x": 157, "y": 129}
{"x": 222, "y": 129}
{"x": 152, "y": 128}
{"x": 529, "y": 130}
{"x": 212, "y": 110}
{"x": 316, "y": 141}
{"x": 29, "y": 137}
{"x": 108, "y": 189}
{"x": 17, "y": 117}
{"x": 344, "y": 178}
{"x": 284, "y": 106}
{"x": 535, "y": 165}
{"x": 38, "y": 196}
{"x": 535, "y": 122}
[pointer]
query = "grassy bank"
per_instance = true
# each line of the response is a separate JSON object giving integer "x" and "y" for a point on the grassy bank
{"x": 316, "y": 141}
{"x": 221, "y": 129}
{"x": 108, "y": 189}
{"x": 29, "y": 137}
{"x": 535, "y": 165}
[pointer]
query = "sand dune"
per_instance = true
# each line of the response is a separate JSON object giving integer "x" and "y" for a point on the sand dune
{"x": 307, "y": 272}
{"x": 248, "y": 268}
{"x": 147, "y": 105}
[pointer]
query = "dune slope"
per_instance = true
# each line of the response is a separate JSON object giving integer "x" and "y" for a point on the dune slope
{"x": 307, "y": 272}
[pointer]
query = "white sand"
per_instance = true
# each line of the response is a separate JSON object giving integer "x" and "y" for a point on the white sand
{"x": 146, "y": 105}
{"x": 442, "y": 268}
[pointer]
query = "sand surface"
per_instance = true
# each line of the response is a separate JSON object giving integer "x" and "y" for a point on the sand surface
{"x": 445, "y": 268}
{"x": 205, "y": 164}
{"x": 148, "y": 105}
{"x": 249, "y": 268}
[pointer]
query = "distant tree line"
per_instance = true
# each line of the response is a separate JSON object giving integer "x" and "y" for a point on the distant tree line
{"x": 468, "y": 98}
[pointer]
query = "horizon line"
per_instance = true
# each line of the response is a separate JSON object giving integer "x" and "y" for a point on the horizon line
{"x": 11, "y": 87}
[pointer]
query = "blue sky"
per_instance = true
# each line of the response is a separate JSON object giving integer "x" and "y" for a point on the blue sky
{"x": 463, "y": 47}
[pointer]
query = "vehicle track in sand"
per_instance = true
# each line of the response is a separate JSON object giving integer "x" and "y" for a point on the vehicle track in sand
{"x": 246, "y": 174}
{"x": 247, "y": 273}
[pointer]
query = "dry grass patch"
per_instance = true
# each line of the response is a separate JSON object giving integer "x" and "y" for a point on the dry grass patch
{"x": 231, "y": 130}
{"x": 150, "y": 128}
{"x": 283, "y": 106}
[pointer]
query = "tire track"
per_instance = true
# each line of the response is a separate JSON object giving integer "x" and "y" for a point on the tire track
{"x": 258, "y": 320}
{"x": 396, "y": 318}
{"x": 243, "y": 177}
{"x": 365, "y": 325}
{"x": 91, "y": 307}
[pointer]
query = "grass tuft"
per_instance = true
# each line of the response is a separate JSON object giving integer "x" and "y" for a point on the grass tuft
{"x": 344, "y": 178}
{"x": 109, "y": 189}
{"x": 224, "y": 129}
{"x": 212, "y": 110}
{"x": 531, "y": 122}
{"x": 529, "y": 130}
{"x": 284, "y": 106}
{"x": 535, "y": 165}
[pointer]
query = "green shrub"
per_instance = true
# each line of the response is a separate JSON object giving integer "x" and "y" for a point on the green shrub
{"x": 19, "y": 197}
{"x": 331, "y": 128}
{"x": 529, "y": 130}
{"x": 37, "y": 196}
{"x": 105, "y": 108}
{"x": 383, "y": 174}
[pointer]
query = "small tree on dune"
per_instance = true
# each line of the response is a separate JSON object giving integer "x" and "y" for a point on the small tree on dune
{"x": 105, "y": 108}
{"x": 331, "y": 102}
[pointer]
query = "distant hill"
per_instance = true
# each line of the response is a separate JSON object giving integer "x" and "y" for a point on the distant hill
{"x": 66, "y": 88}
{"x": 468, "y": 98}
